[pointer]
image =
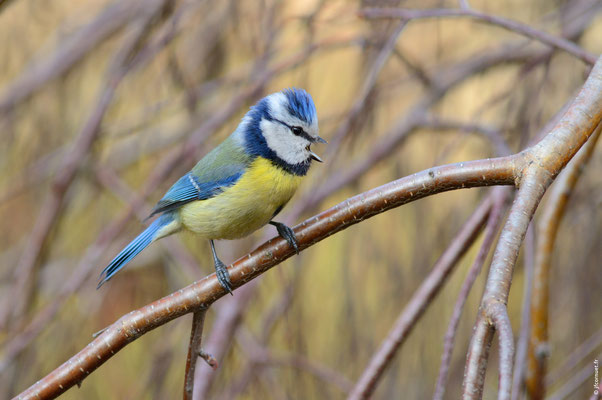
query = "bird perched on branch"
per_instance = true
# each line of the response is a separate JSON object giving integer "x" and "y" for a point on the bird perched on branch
{"x": 242, "y": 184}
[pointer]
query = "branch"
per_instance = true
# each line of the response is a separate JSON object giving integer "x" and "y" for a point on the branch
{"x": 523, "y": 338}
{"x": 447, "y": 78}
{"x": 501, "y": 322}
{"x": 496, "y": 201}
{"x": 425, "y": 294}
{"x": 203, "y": 293}
{"x": 511, "y": 25}
{"x": 542, "y": 163}
{"x": 194, "y": 350}
{"x": 367, "y": 88}
{"x": 547, "y": 230}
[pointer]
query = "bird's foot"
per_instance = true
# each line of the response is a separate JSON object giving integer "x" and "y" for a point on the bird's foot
{"x": 223, "y": 277}
{"x": 287, "y": 234}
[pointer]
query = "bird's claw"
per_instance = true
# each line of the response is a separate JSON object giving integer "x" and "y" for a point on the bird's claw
{"x": 287, "y": 234}
{"x": 223, "y": 277}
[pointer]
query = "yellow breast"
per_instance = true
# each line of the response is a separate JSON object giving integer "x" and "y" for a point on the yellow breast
{"x": 245, "y": 206}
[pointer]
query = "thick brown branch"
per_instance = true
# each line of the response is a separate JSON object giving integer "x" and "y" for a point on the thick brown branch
{"x": 204, "y": 292}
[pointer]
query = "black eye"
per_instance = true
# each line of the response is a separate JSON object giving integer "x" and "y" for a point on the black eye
{"x": 297, "y": 130}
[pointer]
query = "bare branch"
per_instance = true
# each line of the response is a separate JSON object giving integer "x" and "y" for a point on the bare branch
{"x": 511, "y": 25}
{"x": 366, "y": 89}
{"x": 204, "y": 292}
{"x": 501, "y": 322}
{"x": 523, "y": 340}
{"x": 419, "y": 302}
{"x": 496, "y": 201}
{"x": 547, "y": 230}
{"x": 194, "y": 350}
{"x": 542, "y": 163}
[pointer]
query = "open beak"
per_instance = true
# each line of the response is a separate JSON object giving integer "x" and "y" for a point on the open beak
{"x": 313, "y": 155}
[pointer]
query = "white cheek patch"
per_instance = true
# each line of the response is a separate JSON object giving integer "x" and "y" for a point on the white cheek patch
{"x": 286, "y": 145}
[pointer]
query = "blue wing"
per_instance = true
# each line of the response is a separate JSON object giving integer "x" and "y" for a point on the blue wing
{"x": 190, "y": 188}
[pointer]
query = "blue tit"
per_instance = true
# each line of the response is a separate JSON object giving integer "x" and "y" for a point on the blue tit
{"x": 242, "y": 184}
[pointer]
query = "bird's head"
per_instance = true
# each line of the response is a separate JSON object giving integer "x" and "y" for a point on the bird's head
{"x": 282, "y": 127}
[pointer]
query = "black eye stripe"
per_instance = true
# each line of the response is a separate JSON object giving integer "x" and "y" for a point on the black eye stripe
{"x": 297, "y": 130}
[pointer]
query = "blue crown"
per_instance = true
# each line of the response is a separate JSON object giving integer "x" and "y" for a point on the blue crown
{"x": 300, "y": 104}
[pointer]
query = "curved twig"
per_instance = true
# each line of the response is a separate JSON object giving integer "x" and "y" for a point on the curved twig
{"x": 511, "y": 25}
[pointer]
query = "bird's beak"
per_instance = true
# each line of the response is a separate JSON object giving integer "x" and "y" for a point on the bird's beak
{"x": 315, "y": 156}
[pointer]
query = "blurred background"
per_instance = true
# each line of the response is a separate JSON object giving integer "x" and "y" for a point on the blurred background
{"x": 104, "y": 104}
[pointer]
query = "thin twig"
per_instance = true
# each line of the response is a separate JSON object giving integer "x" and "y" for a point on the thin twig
{"x": 511, "y": 25}
{"x": 367, "y": 88}
{"x": 261, "y": 356}
{"x": 198, "y": 320}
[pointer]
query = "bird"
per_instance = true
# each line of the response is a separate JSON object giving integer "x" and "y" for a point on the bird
{"x": 242, "y": 184}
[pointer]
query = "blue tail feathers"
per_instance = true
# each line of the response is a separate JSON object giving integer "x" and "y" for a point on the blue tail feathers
{"x": 136, "y": 246}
